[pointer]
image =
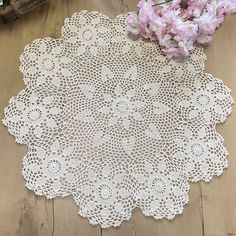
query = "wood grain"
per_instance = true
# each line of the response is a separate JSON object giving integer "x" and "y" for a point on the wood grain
{"x": 212, "y": 207}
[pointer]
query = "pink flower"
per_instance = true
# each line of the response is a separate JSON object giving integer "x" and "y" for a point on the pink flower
{"x": 145, "y": 31}
{"x": 186, "y": 29}
{"x": 165, "y": 41}
{"x": 190, "y": 30}
{"x": 229, "y": 6}
{"x": 194, "y": 9}
{"x": 204, "y": 39}
{"x": 207, "y": 23}
{"x": 146, "y": 4}
{"x": 157, "y": 25}
{"x": 171, "y": 52}
{"x": 146, "y": 10}
{"x": 232, "y": 8}
{"x": 185, "y": 47}
{"x": 171, "y": 15}
{"x": 132, "y": 23}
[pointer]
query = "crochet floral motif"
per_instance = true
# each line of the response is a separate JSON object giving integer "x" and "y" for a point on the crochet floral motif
{"x": 111, "y": 121}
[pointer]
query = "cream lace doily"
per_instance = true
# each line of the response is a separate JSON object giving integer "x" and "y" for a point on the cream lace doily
{"x": 112, "y": 122}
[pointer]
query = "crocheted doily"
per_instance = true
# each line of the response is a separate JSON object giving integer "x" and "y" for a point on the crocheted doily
{"x": 109, "y": 120}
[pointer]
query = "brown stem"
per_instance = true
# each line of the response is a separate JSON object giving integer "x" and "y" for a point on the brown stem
{"x": 183, "y": 4}
{"x": 158, "y": 4}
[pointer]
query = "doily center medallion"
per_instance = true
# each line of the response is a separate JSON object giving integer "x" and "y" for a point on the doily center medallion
{"x": 112, "y": 122}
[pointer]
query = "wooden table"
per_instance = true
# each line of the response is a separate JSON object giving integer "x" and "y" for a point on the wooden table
{"x": 212, "y": 209}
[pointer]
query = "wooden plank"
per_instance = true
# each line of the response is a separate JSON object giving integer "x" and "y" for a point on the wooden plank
{"x": 220, "y": 194}
{"x": 21, "y": 212}
{"x": 67, "y": 222}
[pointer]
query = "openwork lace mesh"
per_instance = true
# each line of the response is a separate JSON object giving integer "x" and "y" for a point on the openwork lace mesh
{"x": 109, "y": 120}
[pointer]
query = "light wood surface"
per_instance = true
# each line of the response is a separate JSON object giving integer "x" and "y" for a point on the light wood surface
{"x": 212, "y": 207}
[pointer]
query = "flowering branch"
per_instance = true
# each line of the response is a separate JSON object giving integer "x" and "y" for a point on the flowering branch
{"x": 180, "y": 26}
